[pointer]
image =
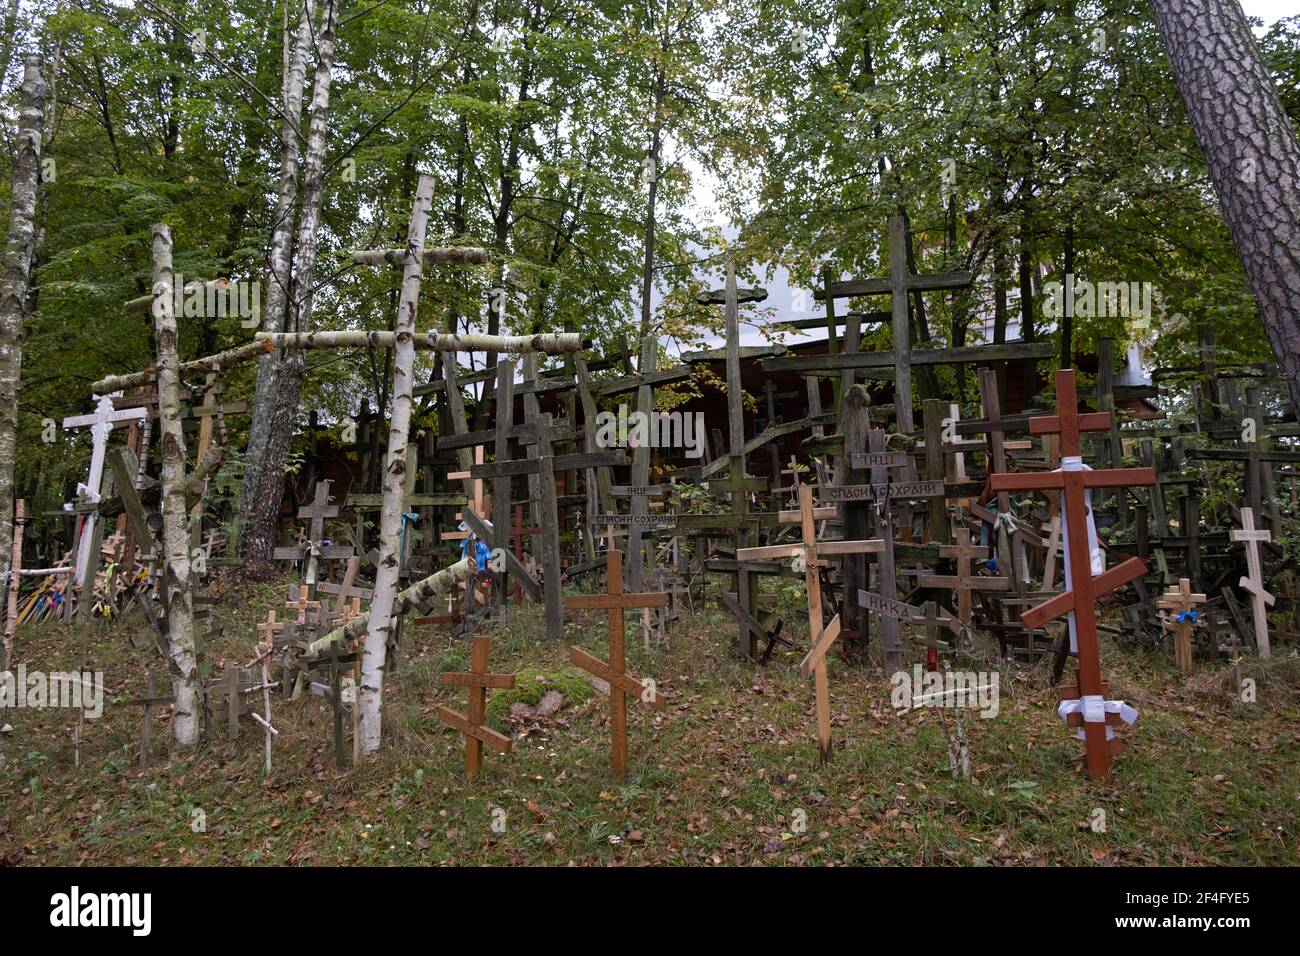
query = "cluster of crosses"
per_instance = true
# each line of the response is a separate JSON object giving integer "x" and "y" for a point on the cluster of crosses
{"x": 890, "y": 533}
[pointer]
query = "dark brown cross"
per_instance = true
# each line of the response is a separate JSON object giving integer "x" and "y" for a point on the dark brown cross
{"x": 615, "y": 602}
{"x": 313, "y": 546}
{"x": 478, "y": 680}
{"x": 1082, "y": 589}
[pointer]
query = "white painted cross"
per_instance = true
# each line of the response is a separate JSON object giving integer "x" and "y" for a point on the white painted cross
{"x": 101, "y": 423}
{"x": 1253, "y": 582}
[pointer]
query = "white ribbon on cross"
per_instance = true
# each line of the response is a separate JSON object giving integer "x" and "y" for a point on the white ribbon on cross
{"x": 1097, "y": 559}
{"x": 1094, "y": 709}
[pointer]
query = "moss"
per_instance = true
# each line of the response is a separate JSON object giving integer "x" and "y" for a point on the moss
{"x": 570, "y": 681}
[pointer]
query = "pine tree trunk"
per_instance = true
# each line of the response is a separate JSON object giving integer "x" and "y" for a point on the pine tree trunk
{"x": 373, "y": 659}
{"x": 1252, "y": 154}
{"x": 178, "y": 595}
{"x": 13, "y": 284}
{"x": 267, "y": 416}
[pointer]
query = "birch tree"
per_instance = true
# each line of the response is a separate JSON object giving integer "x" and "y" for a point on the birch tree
{"x": 178, "y": 596}
{"x": 374, "y": 654}
{"x": 13, "y": 283}
{"x": 279, "y": 274}
{"x": 1251, "y": 150}
{"x": 279, "y": 406}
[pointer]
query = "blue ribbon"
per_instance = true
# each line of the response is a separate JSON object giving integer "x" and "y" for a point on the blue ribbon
{"x": 1186, "y": 616}
{"x": 411, "y": 516}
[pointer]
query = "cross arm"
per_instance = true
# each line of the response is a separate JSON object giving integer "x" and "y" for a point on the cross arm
{"x": 1116, "y": 577}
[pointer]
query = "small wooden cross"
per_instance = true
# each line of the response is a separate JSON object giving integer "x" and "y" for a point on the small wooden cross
{"x": 1253, "y": 581}
{"x": 1181, "y": 601}
{"x": 478, "y": 680}
{"x": 615, "y": 602}
{"x": 303, "y": 604}
{"x": 271, "y": 628}
{"x": 965, "y": 581}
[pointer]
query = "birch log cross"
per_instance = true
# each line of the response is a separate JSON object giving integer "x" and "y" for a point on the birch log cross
{"x": 377, "y": 623}
{"x": 177, "y": 590}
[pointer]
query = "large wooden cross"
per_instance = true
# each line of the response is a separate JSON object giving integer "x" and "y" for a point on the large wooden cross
{"x": 1253, "y": 581}
{"x": 809, "y": 551}
{"x": 1181, "y": 603}
{"x": 478, "y": 680}
{"x": 1082, "y": 587}
{"x": 615, "y": 602}
{"x": 313, "y": 546}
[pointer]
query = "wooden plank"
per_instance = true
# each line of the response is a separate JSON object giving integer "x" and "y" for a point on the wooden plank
{"x": 884, "y": 362}
{"x": 487, "y": 735}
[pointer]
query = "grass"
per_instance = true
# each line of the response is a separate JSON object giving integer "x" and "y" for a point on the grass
{"x": 727, "y": 775}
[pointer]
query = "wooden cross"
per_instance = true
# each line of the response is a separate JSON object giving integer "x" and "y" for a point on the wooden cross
{"x": 739, "y": 488}
{"x": 965, "y": 581}
{"x": 271, "y": 628}
{"x": 546, "y": 466}
{"x": 101, "y": 423}
{"x": 477, "y": 501}
{"x": 1253, "y": 582}
{"x": 303, "y": 604}
{"x": 1182, "y": 602}
{"x": 1082, "y": 588}
{"x": 313, "y": 546}
{"x": 821, "y": 636}
{"x": 149, "y": 702}
{"x": 997, "y": 463}
{"x": 615, "y": 602}
{"x": 517, "y": 534}
{"x": 478, "y": 680}
{"x": 880, "y": 461}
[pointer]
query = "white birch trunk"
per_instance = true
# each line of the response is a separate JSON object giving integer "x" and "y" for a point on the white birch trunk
{"x": 373, "y": 658}
{"x": 209, "y": 363}
{"x": 551, "y": 343}
{"x": 419, "y": 593}
{"x": 178, "y": 596}
{"x": 13, "y": 284}
{"x": 279, "y": 273}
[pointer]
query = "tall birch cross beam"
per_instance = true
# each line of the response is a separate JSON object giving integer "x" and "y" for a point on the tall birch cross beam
{"x": 313, "y": 547}
{"x": 101, "y": 423}
{"x": 821, "y": 636}
{"x": 1181, "y": 603}
{"x": 615, "y": 602}
{"x": 478, "y": 680}
{"x": 1084, "y": 705}
{"x": 1253, "y": 582}
{"x": 405, "y": 341}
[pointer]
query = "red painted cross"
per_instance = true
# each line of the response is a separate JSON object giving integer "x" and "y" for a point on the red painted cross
{"x": 1082, "y": 588}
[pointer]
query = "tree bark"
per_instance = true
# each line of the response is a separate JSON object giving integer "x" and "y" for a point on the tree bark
{"x": 177, "y": 592}
{"x": 264, "y": 508}
{"x": 13, "y": 283}
{"x": 373, "y": 659}
{"x": 421, "y": 592}
{"x": 1252, "y": 155}
{"x": 551, "y": 343}
{"x": 209, "y": 363}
